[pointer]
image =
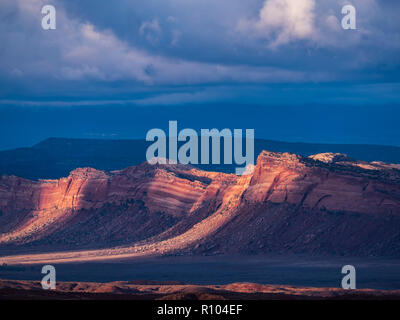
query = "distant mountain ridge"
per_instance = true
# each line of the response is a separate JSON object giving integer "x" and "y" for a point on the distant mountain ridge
{"x": 54, "y": 158}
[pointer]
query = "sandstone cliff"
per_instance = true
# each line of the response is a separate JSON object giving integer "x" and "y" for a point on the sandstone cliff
{"x": 322, "y": 204}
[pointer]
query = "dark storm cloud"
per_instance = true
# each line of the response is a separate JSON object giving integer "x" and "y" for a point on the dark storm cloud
{"x": 119, "y": 68}
{"x": 170, "y": 50}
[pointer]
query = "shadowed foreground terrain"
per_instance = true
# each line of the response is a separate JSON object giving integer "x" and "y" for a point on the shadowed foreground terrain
{"x": 148, "y": 290}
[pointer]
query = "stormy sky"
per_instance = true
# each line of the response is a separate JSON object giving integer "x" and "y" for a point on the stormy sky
{"x": 115, "y": 69}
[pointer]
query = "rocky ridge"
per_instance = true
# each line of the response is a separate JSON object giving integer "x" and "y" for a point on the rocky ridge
{"x": 322, "y": 204}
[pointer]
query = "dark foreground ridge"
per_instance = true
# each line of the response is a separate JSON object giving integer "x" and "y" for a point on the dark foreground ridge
{"x": 147, "y": 290}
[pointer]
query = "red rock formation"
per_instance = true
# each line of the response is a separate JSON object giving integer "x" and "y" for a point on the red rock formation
{"x": 32, "y": 210}
{"x": 289, "y": 203}
{"x": 339, "y": 186}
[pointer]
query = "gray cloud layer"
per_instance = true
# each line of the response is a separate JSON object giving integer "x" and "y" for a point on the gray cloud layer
{"x": 157, "y": 47}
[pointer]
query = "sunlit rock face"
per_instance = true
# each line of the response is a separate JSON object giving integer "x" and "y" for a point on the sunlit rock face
{"x": 336, "y": 186}
{"x": 160, "y": 194}
{"x": 285, "y": 203}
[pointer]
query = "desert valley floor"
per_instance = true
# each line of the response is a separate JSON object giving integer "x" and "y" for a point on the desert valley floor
{"x": 216, "y": 277}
